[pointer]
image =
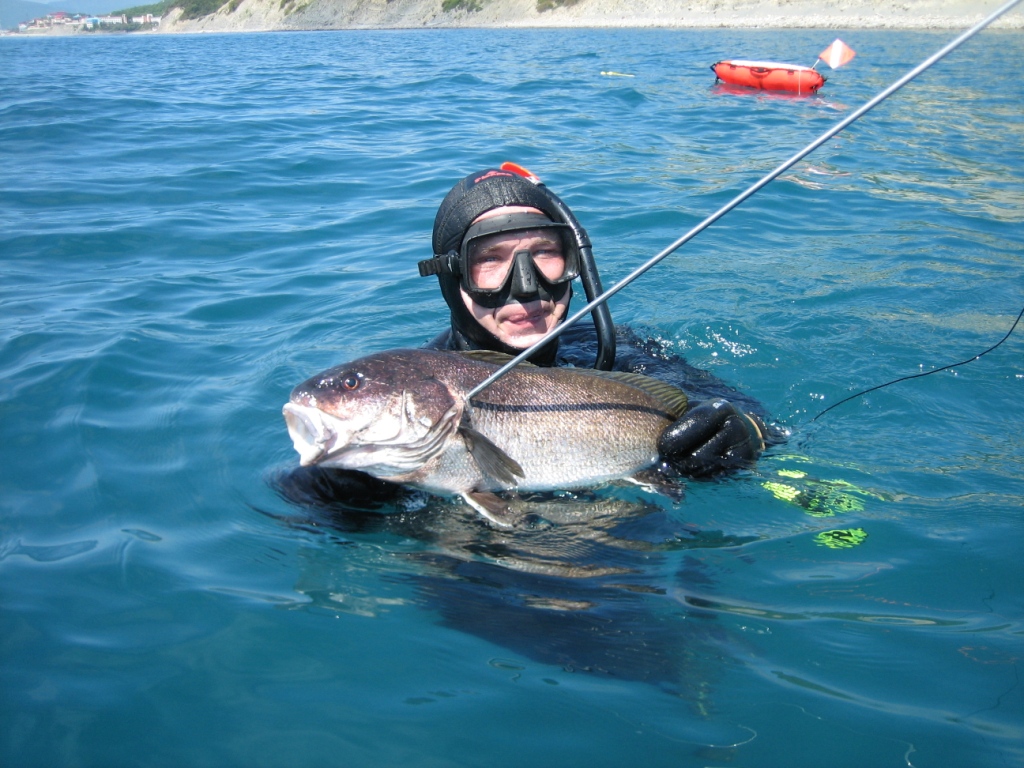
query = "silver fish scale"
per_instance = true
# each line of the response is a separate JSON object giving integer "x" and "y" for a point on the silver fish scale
{"x": 566, "y": 428}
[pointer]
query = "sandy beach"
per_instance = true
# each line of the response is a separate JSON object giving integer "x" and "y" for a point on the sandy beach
{"x": 260, "y": 15}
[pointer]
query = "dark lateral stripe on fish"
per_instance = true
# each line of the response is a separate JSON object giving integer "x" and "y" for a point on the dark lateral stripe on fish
{"x": 569, "y": 407}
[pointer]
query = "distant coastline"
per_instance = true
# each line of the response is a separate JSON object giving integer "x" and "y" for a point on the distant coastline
{"x": 272, "y": 15}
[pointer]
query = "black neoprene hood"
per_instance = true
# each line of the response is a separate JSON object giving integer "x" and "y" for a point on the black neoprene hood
{"x": 481, "y": 192}
{"x": 468, "y": 200}
{"x": 484, "y": 191}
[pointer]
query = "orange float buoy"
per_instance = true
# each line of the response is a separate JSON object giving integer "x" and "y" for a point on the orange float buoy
{"x": 769, "y": 76}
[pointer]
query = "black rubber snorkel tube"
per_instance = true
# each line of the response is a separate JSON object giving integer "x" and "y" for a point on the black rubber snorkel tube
{"x": 592, "y": 288}
{"x": 588, "y": 274}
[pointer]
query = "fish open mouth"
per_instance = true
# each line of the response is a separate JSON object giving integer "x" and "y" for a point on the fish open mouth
{"x": 394, "y": 442}
{"x": 312, "y": 437}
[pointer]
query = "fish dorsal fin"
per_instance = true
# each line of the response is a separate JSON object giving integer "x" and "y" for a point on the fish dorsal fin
{"x": 669, "y": 395}
{"x": 493, "y": 462}
{"x": 490, "y": 356}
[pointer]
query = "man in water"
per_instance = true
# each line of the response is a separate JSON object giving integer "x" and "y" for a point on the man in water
{"x": 506, "y": 251}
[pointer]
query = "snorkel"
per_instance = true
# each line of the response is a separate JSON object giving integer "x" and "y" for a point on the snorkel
{"x": 588, "y": 276}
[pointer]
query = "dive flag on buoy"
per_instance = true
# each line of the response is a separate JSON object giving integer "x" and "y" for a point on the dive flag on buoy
{"x": 837, "y": 54}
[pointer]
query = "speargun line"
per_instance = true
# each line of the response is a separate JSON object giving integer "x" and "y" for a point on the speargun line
{"x": 925, "y": 373}
{"x": 558, "y": 330}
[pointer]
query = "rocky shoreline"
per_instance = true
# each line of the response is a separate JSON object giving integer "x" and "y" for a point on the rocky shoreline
{"x": 271, "y": 15}
{"x": 255, "y": 15}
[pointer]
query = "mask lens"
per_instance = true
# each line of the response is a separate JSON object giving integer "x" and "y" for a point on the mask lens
{"x": 489, "y": 258}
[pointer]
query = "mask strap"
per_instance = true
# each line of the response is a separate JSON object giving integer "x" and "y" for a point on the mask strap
{"x": 447, "y": 263}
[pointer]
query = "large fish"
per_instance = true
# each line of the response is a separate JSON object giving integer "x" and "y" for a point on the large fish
{"x": 402, "y": 416}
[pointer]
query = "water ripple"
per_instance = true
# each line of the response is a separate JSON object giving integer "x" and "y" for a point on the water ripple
{"x": 189, "y": 225}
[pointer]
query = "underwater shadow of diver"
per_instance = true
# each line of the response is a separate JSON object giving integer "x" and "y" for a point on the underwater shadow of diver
{"x": 591, "y": 583}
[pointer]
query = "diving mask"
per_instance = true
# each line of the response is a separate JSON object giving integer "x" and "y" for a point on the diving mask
{"x": 516, "y": 254}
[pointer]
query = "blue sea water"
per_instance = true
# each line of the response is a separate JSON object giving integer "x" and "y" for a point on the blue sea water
{"x": 191, "y": 225}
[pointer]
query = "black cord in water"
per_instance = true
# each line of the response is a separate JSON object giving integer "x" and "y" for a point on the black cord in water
{"x": 926, "y": 373}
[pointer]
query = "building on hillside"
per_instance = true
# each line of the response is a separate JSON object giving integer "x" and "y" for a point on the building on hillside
{"x": 62, "y": 19}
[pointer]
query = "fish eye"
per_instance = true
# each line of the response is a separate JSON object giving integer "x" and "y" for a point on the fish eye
{"x": 351, "y": 382}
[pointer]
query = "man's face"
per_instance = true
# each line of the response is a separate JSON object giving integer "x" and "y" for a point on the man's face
{"x": 517, "y": 323}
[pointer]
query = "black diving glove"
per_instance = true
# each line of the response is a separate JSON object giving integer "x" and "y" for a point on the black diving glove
{"x": 711, "y": 438}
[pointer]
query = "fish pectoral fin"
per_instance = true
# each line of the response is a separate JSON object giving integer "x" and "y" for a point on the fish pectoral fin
{"x": 492, "y": 461}
{"x": 492, "y": 508}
